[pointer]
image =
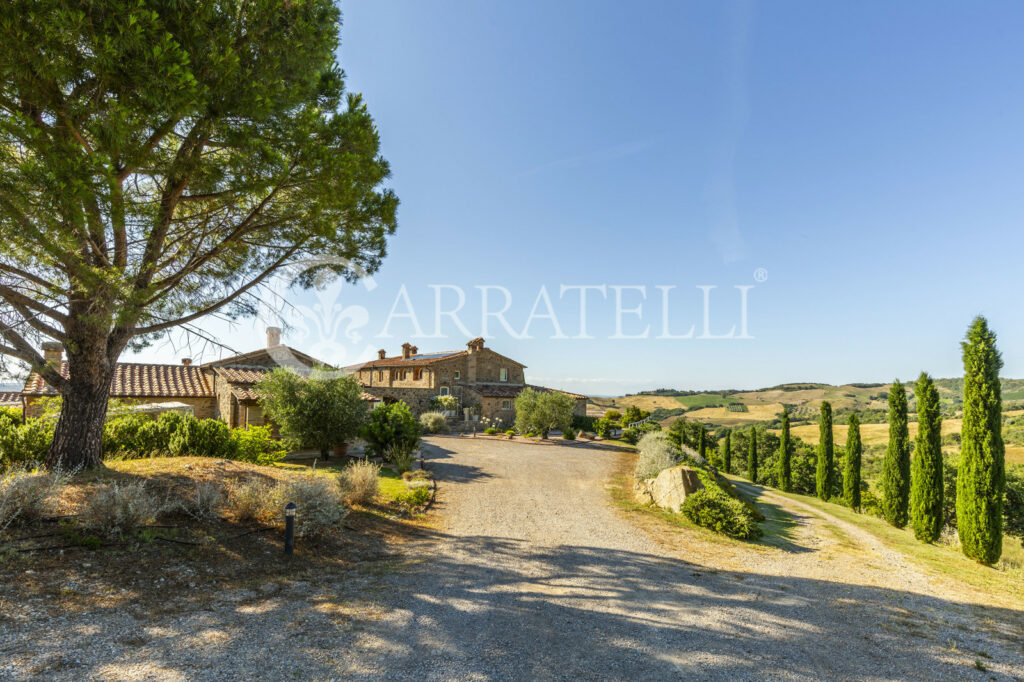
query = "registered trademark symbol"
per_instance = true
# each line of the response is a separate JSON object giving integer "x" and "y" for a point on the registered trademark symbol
{"x": 760, "y": 275}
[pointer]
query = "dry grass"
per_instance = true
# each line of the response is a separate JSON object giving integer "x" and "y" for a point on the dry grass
{"x": 757, "y": 412}
{"x": 871, "y": 434}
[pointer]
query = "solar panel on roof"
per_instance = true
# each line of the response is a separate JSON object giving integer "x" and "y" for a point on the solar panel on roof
{"x": 428, "y": 356}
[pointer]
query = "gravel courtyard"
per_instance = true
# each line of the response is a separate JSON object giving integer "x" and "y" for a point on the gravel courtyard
{"x": 529, "y": 572}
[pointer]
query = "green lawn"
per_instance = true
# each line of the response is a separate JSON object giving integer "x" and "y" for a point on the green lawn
{"x": 705, "y": 400}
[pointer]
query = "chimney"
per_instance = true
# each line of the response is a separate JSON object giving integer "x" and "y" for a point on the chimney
{"x": 186, "y": 361}
{"x": 414, "y": 350}
{"x": 273, "y": 337}
{"x": 53, "y": 353}
{"x": 475, "y": 344}
{"x": 381, "y": 354}
{"x": 406, "y": 350}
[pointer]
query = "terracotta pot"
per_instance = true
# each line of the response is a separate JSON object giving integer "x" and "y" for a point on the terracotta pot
{"x": 341, "y": 450}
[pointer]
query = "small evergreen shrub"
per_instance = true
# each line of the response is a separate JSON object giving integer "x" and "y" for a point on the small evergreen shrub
{"x": 434, "y": 422}
{"x": 713, "y": 509}
{"x": 569, "y": 434}
{"x": 27, "y": 496}
{"x": 22, "y": 443}
{"x": 583, "y": 423}
{"x": 319, "y": 500}
{"x": 358, "y": 482}
{"x": 656, "y": 454}
{"x": 389, "y": 426}
{"x": 414, "y": 497}
{"x": 490, "y": 430}
{"x": 205, "y": 501}
{"x": 256, "y": 445}
{"x": 118, "y": 509}
{"x": 603, "y": 427}
{"x": 401, "y": 456}
{"x": 252, "y": 501}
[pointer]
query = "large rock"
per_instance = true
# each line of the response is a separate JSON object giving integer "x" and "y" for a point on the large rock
{"x": 669, "y": 489}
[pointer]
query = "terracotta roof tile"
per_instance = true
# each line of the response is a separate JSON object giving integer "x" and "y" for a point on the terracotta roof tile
{"x": 9, "y": 398}
{"x": 415, "y": 361}
{"x": 140, "y": 380}
{"x": 242, "y": 375}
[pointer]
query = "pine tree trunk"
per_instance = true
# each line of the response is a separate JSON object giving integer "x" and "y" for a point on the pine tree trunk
{"x": 78, "y": 438}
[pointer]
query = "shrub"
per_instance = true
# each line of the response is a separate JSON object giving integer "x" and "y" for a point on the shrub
{"x": 28, "y": 442}
{"x": 510, "y": 432}
{"x": 27, "y": 496}
{"x": 117, "y": 509}
{"x": 569, "y": 434}
{"x": 656, "y": 455}
{"x": 202, "y": 438}
{"x": 445, "y": 403}
{"x": 358, "y": 482}
{"x": 132, "y": 435}
{"x": 583, "y": 423}
{"x": 434, "y": 422}
{"x": 390, "y": 425}
{"x": 713, "y": 509}
{"x": 490, "y": 430}
{"x": 205, "y": 502}
{"x": 320, "y": 505}
{"x": 631, "y": 436}
{"x": 253, "y": 501}
{"x": 603, "y": 427}
{"x": 613, "y": 415}
{"x": 401, "y": 456}
{"x": 256, "y": 444}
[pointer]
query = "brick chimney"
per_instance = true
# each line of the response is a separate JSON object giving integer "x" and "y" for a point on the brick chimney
{"x": 186, "y": 361}
{"x": 53, "y": 353}
{"x": 406, "y": 350}
{"x": 273, "y": 337}
{"x": 414, "y": 350}
{"x": 381, "y": 354}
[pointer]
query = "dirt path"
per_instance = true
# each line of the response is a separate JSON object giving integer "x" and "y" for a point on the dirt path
{"x": 534, "y": 575}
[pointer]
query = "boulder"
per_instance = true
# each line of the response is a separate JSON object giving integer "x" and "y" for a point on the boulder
{"x": 642, "y": 492}
{"x": 669, "y": 489}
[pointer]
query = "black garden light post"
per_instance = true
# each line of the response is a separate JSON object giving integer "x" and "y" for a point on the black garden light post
{"x": 289, "y": 528}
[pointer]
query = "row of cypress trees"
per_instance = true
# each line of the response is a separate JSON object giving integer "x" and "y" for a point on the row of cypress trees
{"x": 912, "y": 489}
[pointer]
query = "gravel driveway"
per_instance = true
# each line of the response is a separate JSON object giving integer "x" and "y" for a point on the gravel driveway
{"x": 530, "y": 573}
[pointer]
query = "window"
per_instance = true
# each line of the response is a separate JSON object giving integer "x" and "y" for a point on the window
{"x": 417, "y": 373}
{"x": 458, "y": 375}
{"x": 380, "y": 375}
{"x": 444, "y": 390}
{"x": 402, "y": 377}
{"x": 506, "y": 404}
{"x": 503, "y": 374}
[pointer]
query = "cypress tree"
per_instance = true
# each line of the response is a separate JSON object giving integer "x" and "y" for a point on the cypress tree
{"x": 926, "y": 467}
{"x": 752, "y": 457}
{"x": 896, "y": 465}
{"x": 727, "y": 452}
{"x": 981, "y": 480}
{"x": 701, "y": 442}
{"x": 785, "y": 475}
{"x": 851, "y": 470}
{"x": 823, "y": 480}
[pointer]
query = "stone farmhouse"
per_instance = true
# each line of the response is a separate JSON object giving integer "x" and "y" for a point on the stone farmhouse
{"x": 479, "y": 378}
{"x": 221, "y": 389}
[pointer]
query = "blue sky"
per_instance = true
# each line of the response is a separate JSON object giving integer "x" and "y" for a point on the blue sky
{"x": 866, "y": 156}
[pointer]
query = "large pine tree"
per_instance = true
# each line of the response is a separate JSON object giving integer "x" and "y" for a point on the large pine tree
{"x": 823, "y": 480}
{"x": 851, "y": 468}
{"x": 926, "y": 467}
{"x": 981, "y": 479}
{"x": 896, "y": 465}
{"x": 785, "y": 474}
{"x": 727, "y": 452}
{"x": 752, "y": 456}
